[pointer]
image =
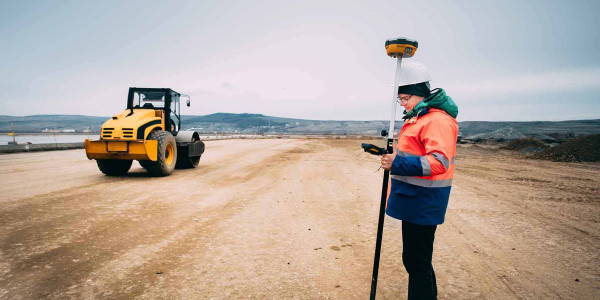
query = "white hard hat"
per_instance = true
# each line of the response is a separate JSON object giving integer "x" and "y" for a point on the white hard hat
{"x": 412, "y": 72}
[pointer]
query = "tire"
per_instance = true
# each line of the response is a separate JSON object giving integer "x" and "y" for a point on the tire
{"x": 167, "y": 154}
{"x": 184, "y": 161}
{"x": 114, "y": 167}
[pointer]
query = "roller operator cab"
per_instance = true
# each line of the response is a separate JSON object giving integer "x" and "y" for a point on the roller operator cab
{"x": 147, "y": 131}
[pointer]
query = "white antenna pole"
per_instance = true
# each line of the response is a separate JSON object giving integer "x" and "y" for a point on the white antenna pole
{"x": 394, "y": 99}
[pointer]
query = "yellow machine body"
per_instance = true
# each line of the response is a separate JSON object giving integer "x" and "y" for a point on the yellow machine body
{"x": 124, "y": 136}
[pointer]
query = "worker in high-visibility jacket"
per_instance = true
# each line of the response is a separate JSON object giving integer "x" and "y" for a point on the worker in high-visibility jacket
{"x": 421, "y": 168}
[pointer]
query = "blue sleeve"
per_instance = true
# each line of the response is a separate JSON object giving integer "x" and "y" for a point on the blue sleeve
{"x": 407, "y": 166}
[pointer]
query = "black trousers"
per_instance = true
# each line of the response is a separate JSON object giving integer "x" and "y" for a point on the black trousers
{"x": 417, "y": 249}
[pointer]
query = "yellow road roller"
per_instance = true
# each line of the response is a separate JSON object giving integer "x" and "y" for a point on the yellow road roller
{"x": 147, "y": 131}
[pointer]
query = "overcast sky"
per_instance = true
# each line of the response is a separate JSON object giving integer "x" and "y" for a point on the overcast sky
{"x": 499, "y": 60}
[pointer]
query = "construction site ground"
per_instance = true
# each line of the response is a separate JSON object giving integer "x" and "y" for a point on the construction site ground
{"x": 290, "y": 219}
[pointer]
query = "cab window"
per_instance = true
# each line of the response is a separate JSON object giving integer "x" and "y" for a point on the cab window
{"x": 149, "y": 99}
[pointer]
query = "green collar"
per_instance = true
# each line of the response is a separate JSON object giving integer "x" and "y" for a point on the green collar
{"x": 438, "y": 99}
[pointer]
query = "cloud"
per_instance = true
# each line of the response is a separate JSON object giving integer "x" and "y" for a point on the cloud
{"x": 540, "y": 83}
{"x": 267, "y": 84}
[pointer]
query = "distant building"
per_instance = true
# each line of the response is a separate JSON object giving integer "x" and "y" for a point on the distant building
{"x": 68, "y": 130}
{"x": 50, "y": 130}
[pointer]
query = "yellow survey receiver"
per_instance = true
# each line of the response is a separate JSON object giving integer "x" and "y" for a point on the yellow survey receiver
{"x": 401, "y": 47}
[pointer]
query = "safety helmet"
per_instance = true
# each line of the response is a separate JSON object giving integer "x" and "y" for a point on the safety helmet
{"x": 412, "y": 72}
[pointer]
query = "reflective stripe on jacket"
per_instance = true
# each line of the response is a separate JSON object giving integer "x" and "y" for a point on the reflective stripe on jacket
{"x": 423, "y": 169}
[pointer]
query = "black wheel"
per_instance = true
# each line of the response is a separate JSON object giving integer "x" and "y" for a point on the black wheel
{"x": 194, "y": 161}
{"x": 167, "y": 154}
{"x": 114, "y": 167}
{"x": 184, "y": 161}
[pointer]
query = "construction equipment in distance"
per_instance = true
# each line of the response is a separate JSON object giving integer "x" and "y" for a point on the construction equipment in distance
{"x": 147, "y": 131}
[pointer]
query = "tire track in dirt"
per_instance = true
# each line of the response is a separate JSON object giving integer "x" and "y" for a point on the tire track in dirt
{"x": 291, "y": 219}
{"x": 290, "y": 238}
{"x": 548, "y": 248}
{"x": 495, "y": 272}
{"x": 190, "y": 238}
{"x": 109, "y": 230}
{"x": 538, "y": 178}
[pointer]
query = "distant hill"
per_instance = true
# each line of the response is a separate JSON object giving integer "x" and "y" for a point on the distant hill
{"x": 213, "y": 123}
{"x": 37, "y": 123}
{"x": 504, "y": 133}
{"x": 257, "y": 123}
{"x": 544, "y": 130}
{"x": 579, "y": 126}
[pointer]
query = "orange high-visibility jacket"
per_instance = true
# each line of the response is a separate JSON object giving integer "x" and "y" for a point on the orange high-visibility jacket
{"x": 423, "y": 168}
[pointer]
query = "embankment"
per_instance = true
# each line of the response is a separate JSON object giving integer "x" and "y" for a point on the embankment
{"x": 39, "y": 147}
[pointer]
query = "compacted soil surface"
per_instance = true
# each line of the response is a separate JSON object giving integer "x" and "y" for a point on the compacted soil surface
{"x": 290, "y": 219}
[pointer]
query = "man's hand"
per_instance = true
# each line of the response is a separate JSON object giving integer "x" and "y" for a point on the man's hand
{"x": 387, "y": 160}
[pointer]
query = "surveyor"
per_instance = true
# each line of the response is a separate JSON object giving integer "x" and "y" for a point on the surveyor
{"x": 421, "y": 168}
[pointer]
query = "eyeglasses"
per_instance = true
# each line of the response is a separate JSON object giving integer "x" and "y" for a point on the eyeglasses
{"x": 404, "y": 99}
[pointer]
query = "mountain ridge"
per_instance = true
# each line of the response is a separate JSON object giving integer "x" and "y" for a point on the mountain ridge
{"x": 260, "y": 124}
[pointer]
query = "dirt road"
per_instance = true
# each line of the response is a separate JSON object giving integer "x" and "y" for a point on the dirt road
{"x": 289, "y": 218}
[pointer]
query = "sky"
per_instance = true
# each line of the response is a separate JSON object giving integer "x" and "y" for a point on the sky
{"x": 324, "y": 60}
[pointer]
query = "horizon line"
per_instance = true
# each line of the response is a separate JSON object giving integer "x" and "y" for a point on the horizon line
{"x": 330, "y": 120}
